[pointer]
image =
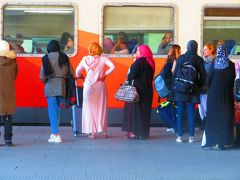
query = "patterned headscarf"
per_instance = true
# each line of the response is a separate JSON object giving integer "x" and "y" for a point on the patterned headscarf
{"x": 146, "y": 52}
{"x": 222, "y": 60}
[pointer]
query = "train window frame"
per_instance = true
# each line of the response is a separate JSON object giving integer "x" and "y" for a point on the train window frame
{"x": 233, "y": 57}
{"x": 165, "y": 5}
{"x": 75, "y": 24}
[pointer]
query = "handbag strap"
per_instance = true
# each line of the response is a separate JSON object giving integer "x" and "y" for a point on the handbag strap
{"x": 132, "y": 82}
{"x": 127, "y": 83}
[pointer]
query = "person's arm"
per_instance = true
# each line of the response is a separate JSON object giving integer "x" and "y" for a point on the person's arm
{"x": 16, "y": 69}
{"x": 123, "y": 51}
{"x": 42, "y": 75}
{"x": 237, "y": 68}
{"x": 202, "y": 72}
{"x": 109, "y": 71}
{"x": 79, "y": 68}
{"x": 115, "y": 47}
{"x": 110, "y": 65}
{"x": 178, "y": 63}
{"x": 134, "y": 70}
{"x": 210, "y": 75}
{"x": 173, "y": 66}
{"x": 71, "y": 69}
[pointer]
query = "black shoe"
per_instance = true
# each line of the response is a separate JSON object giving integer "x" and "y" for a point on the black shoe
{"x": 133, "y": 137}
{"x": 142, "y": 137}
{"x": 8, "y": 142}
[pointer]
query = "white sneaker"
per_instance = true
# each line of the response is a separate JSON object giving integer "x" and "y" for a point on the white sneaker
{"x": 170, "y": 130}
{"x": 51, "y": 138}
{"x": 55, "y": 138}
{"x": 179, "y": 139}
{"x": 191, "y": 139}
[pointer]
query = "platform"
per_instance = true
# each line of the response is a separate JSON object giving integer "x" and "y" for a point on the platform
{"x": 80, "y": 158}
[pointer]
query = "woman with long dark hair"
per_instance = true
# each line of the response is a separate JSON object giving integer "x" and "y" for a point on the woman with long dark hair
{"x": 55, "y": 67}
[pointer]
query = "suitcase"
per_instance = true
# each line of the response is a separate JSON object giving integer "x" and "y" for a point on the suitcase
{"x": 77, "y": 112}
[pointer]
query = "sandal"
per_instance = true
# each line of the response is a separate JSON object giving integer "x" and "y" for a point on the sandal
{"x": 92, "y": 136}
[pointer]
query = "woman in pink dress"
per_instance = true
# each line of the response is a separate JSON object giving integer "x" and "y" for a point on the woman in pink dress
{"x": 94, "y": 110}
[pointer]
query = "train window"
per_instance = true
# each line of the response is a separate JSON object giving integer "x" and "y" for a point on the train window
{"x": 29, "y": 28}
{"x": 125, "y": 27}
{"x": 223, "y": 24}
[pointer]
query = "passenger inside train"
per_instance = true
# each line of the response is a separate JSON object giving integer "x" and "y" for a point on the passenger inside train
{"x": 16, "y": 42}
{"x": 121, "y": 44}
{"x": 165, "y": 44}
{"x": 69, "y": 48}
{"x": 64, "y": 39}
{"x": 107, "y": 45}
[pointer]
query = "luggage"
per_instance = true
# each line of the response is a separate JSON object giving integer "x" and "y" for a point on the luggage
{"x": 167, "y": 112}
{"x": 237, "y": 125}
{"x": 77, "y": 112}
{"x": 237, "y": 135}
{"x": 236, "y": 90}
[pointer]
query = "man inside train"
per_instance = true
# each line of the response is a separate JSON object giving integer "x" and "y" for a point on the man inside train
{"x": 165, "y": 44}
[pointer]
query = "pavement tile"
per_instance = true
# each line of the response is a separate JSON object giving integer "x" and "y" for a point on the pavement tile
{"x": 115, "y": 158}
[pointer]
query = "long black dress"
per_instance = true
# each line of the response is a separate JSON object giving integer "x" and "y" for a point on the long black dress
{"x": 137, "y": 116}
{"x": 220, "y": 106}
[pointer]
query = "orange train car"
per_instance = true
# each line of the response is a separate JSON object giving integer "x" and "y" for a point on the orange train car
{"x": 32, "y": 24}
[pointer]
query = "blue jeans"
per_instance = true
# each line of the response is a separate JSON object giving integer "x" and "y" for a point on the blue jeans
{"x": 180, "y": 116}
{"x": 54, "y": 112}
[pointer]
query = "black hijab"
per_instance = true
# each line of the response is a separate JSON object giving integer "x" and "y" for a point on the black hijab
{"x": 53, "y": 46}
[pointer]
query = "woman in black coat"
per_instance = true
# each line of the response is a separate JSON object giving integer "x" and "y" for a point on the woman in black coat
{"x": 220, "y": 102}
{"x": 188, "y": 100}
{"x": 137, "y": 116}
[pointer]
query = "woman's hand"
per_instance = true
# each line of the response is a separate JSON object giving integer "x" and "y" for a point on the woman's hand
{"x": 102, "y": 78}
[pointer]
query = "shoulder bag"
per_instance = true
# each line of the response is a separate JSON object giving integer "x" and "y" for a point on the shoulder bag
{"x": 127, "y": 93}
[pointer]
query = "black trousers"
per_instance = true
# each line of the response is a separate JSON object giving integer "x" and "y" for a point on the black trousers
{"x": 7, "y": 122}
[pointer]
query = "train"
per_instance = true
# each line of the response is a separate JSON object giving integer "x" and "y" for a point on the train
{"x": 31, "y": 24}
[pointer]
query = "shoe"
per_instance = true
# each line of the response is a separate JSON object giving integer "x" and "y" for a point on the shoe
{"x": 92, "y": 136}
{"x": 179, "y": 139}
{"x": 128, "y": 134}
{"x": 55, "y": 138}
{"x": 191, "y": 139}
{"x": 105, "y": 135}
{"x": 51, "y": 138}
{"x": 132, "y": 136}
{"x": 8, "y": 142}
{"x": 207, "y": 147}
{"x": 219, "y": 147}
{"x": 170, "y": 130}
{"x": 142, "y": 137}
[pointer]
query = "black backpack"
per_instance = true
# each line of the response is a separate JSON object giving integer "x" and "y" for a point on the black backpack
{"x": 185, "y": 78}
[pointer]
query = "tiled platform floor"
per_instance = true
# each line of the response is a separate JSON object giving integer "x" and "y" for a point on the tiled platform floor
{"x": 159, "y": 157}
